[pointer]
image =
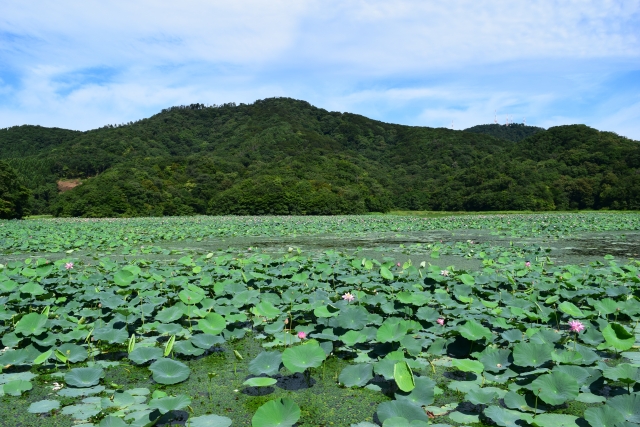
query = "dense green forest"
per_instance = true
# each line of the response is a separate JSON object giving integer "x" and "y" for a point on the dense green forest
{"x": 512, "y": 132}
{"x": 283, "y": 156}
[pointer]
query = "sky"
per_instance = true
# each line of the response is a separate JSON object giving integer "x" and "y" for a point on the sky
{"x": 86, "y": 63}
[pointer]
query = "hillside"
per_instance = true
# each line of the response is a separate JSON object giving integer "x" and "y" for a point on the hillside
{"x": 283, "y": 156}
{"x": 513, "y": 132}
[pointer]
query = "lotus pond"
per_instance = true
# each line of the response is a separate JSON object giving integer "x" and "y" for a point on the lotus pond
{"x": 508, "y": 320}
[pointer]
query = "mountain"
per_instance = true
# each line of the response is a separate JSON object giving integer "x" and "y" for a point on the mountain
{"x": 513, "y": 132}
{"x": 284, "y": 156}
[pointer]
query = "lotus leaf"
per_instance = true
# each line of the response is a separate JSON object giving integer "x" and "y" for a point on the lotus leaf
{"x": 17, "y": 387}
{"x": 170, "y": 403}
{"x": 168, "y": 371}
{"x": 352, "y": 317}
{"x": 505, "y": 417}
{"x": 479, "y": 396}
{"x": 357, "y": 375}
{"x": 555, "y": 388}
{"x": 570, "y": 309}
{"x": 533, "y": 355}
{"x": 31, "y": 324}
{"x": 212, "y": 324}
{"x": 628, "y": 405}
{"x": 123, "y": 278}
{"x": 474, "y": 331}
{"x": 352, "y": 338}
{"x": 555, "y": 420}
{"x": 392, "y": 329}
{"x": 186, "y": 348}
{"x": 468, "y": 365}
{"x": 403, "y": 409}
{"x": 403, "y": 376}
{"x": 83, "y": 377}
{"x": 206, "y": 341}
{"x": 209, "y": 421}
{"x": 403, "y": 422}
{"x": 623, "y": 372}
{"x": 142, "y": 355}
{"x": 43, "y": 406}
{"x": 302, "y": 357}
{"x": 617, "y": 337}
{"x": 259, "y": 382}
{"x": 277, "y": 413}
{"x": 422, "y": 394}
{"x": 170, "y": 314}
{"x": 111, "y": 335}
{"x": 112, "y": 421}
{"x": 603, "y": 416}
{"x": 266, "y": 363}
{"x": 266, "y": 309}
{"x": 74, "y": 353}
{"x": 495, "y": 360}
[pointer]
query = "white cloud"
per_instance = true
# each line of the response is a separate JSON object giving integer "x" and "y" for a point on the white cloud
{"x": 81, "y": 64}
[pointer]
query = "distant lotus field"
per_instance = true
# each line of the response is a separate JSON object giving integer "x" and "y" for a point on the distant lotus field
{"x": 128, "y": 322}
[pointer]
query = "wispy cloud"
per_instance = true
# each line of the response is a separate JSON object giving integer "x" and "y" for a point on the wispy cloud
{"x": 84, "y": 64}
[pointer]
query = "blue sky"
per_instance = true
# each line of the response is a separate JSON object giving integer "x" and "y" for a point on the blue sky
{"x": 84, "y": 64}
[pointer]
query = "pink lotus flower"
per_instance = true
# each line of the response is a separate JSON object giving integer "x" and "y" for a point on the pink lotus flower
{"x": 68, "y": 266}
{"x": 576, "y": 326}
{"x": 398, "y": 265}
{"x": 302, "y": 335}
{"x": 348, "y": 297}
{"x": 440, "y": 321}
{"x": 444, "y": 273}
{"x": 527, "y": 264}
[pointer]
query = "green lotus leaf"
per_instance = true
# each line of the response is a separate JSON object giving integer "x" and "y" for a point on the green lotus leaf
{"x": 533, "y": 355}
{"x": 579, "y": 373}
{"x": 141, "y": 355}
{"x": 74, "y": 353}
{"x": 569, "y": 308}
{"x": 32, "y": 288}
{"x": 190, "y": 297}
{"x": 468, "y": 365}
{"x": 386, "y": 273}
{"x": 78, "y": 392}
{"x": 474, "y": 331}
{"x": 170, "y": 314}
{"x": 392, "y": 330}
{"x": 168, "y": 371}
{"x": 403, "y": 422}
{"x": 83, "y": 377}
{"x": 514, "y": 400}
{"x": 478, "y": 396}
{"x": 43, "y": 406}
{"x": 555, "y": 388}
{"x": 494, "y": 359}
{"x": 623, "y": 372}
{"x": 267, "y": 362}
{"x": 413, "y": 298}
{"x": 266, "y": 309}
{"x": 555, "y": 420}
{"x": 17, "y": 387}
{"x": 13, "y": 357}
{"x": 464, "y": 418}
{"x": 326, "y": 311}
{"x": 401, "y": 408}
{"x": 603, "y": 416}
{"x": 260, "y": 382}
{"x": 357, "y": 375}
{"x": 170, "y": 403}
{"x": 31, "y": 324}
{"x": 43, "y": 357}
{"x": 302, "y": 357}
{"x": 605, "y": 306}
{"x": 352, "y": 317}
{"x": 427, "y": 314}
{"x": 628, "y": 405}
{"x": 123, "y": 278}
{"x": 186, "y": 348}
{"x": 209, "y": 421}
{"x": 111, "y": 335}
{"x": 403, "y": 376}
{"x": 212, "y": 324}
{"x": 206, "y": 341}
{"x": 352, "y": 338}
{"x": 506, "y": 417}
{"x": 112, "y": 421}
{"x": 277, "y": 413}
{"x": 617, "y": 337}
{"x": 423, "y": 394}
{"x": 467, "y": 279}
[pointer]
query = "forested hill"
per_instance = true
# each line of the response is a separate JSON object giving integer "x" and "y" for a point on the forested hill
{"x": 512, "y": 132}
{"x": 283, "y": 156}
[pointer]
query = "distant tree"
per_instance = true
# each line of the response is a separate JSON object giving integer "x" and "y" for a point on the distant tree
{"x": 14, "y": 197}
